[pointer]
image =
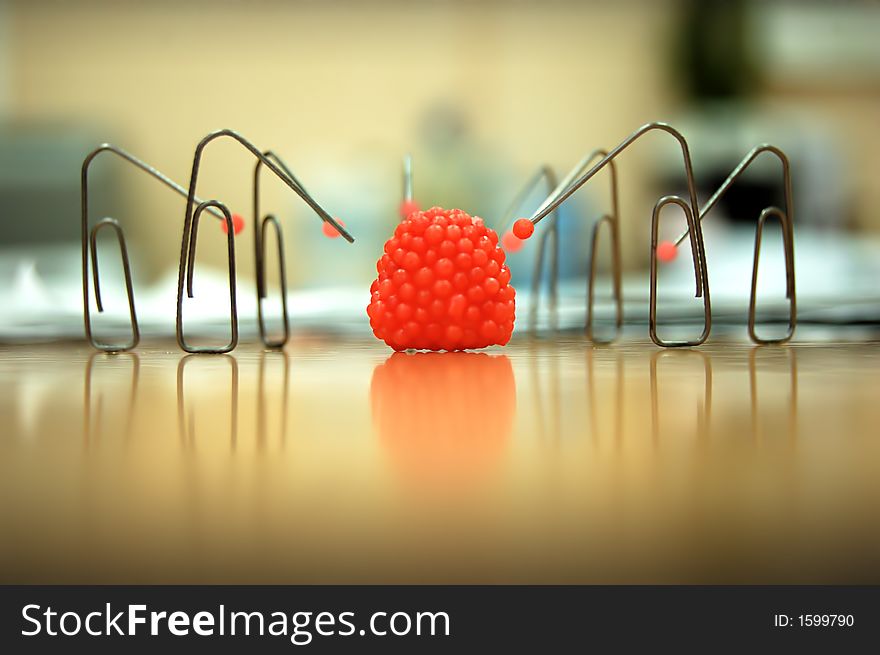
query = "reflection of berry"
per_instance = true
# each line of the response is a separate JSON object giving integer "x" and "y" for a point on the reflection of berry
{"x": 444, "y": 418}
{"x": 442, "y": 285}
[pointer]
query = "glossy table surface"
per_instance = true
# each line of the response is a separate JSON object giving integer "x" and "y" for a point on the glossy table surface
{"x": 548, "y": 461}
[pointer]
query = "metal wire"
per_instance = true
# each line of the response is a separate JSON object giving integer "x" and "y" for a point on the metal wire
{"x": 260, "y": 226}
{"x": 693, "y": 226}
{"x": 574, "y": 181}
{"x": 550, "y": 238}
{"x": 89, "y": 246}
{"x": 407, "y": 178}
{"x": 233, "y": 305}
{"x": 187, "y": 247}
{"x": 612, "y": 220}
{"x": 785, "y": 218}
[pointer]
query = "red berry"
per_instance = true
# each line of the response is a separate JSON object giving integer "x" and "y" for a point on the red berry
{"x": 237, "y": 224}
{"x": 442, "y": 285}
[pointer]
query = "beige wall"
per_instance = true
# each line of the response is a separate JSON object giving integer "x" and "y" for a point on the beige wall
{"x": 326, "y": 83}
{"x": 851, "y": 115}
{"x": 339, "y": 88}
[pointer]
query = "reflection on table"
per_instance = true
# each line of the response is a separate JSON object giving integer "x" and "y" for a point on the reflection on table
{"x": 546, "y": 461}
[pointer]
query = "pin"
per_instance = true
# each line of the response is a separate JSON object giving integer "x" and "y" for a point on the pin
{"x": 612, "y": 220}
{"x": 407, "y": 205}
{"x": 89, "y": 245}
{"x": 785, "y": 218}
{"x": 514, "y": 237}
{"x": 186, "y": 267}
{"x": 575, "y": 180}
{"x": 260, "y": 227}
{"x": 232, "y": 224}
{"x": 666, "y": 251}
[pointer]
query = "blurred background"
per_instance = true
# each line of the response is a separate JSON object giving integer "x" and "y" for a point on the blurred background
{"x": 481, "y": 93}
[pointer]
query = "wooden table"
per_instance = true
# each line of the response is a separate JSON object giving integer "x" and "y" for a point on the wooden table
{"x": 544, "y": 462}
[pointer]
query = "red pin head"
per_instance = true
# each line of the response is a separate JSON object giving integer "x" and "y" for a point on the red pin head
{"x": 666, "y": 251}
{"x": 237, "y": 224}
{"x": 329, "y": 231}
{"x": 407, "y": 207}
{"x": 523, "y": 228}
{"x": 511, "y": 243}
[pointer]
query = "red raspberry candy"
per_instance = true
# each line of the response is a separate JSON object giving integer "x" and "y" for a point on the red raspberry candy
{"x": 442, "y": 285}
